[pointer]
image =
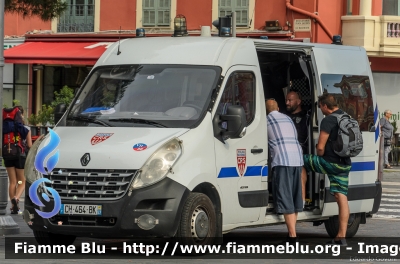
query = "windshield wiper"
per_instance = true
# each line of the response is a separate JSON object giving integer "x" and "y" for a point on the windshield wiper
{"x": 137, "y": 120}
{"x": 89, "y": 120}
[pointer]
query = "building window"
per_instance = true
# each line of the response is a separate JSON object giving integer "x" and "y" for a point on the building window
{"x": 241, "y": 7}
{"x": 349, "y": 7}
{"x": 79, "y": 17}
{"x": 156, "y": 13}
{"x": 16, "y": 85}
{"x": 239, "y": 90}
{"x": 55, "y": 77}
{"x": 390, "y": 8}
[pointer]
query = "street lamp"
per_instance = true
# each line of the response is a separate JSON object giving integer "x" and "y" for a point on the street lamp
{"x": 7, "y": 224}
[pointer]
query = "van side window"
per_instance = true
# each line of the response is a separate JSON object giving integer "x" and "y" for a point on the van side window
{"x": 239, "y": 90}
{"x": 353, "y": 94}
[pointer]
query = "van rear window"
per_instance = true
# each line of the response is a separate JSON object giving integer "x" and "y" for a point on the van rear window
{"x": 353, "y": 94}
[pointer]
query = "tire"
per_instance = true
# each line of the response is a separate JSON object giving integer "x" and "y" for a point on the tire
{"x": 46, "y": 238}
{"x": 332, "y": 225}
{"x": 198, "y": 221}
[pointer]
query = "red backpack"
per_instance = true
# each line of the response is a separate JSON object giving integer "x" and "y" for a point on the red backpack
{"x": 14, "y": 133}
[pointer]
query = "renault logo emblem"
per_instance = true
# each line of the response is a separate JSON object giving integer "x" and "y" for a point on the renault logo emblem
{"x": 85, "y": 159}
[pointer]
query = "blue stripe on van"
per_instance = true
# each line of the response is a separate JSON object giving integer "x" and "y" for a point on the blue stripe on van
{"x": 376, "y": 123}
{"x": 253, "y": 171}
{"x": 230, "y": 172}
{"x": 363, "y": 166}
{"x": 265, "y": 171}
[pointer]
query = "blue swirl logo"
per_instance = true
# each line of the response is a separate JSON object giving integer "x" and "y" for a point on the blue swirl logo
{"x": 33, "y": 194}
{"x": 52, "y": 161}
{"x": 45, "y": 151}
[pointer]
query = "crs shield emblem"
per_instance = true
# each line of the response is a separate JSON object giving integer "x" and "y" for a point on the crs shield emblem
{"x": 100, "y": 137}
{"x": 241, "y": 160}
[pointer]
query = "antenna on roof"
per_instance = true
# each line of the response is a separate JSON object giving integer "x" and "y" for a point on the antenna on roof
{"x": 119, "y": 40}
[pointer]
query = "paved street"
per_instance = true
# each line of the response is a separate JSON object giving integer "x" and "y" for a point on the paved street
{"x": 386, "y": 223}
{"x": 390, "y": 204}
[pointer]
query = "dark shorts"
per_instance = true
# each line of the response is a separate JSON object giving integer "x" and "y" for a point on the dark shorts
{"x": 17, "y": 163}
{"x": 338, "y": 174}
{"x": 287, "y": 189}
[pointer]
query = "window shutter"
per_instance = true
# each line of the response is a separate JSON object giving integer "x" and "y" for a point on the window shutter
{"x": 241, "y": 7}
{"x": 156, "y": 13}
{"x": 390, "y": 7}
{"x": 164, "y": 13}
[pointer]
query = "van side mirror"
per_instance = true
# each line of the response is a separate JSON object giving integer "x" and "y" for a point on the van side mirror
{"x": 235, "y": 118}
{"x": 59, "y": 111}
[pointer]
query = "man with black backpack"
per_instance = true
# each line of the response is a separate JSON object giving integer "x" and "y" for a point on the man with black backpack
{"x": 329, "y": 162}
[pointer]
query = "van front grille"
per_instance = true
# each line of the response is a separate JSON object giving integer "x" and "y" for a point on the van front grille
{"x": 83, "y": 220}
{"x": 89, "y": 184}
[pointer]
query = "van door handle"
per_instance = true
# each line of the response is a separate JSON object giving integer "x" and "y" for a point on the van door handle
{"x": 257, "y": 151}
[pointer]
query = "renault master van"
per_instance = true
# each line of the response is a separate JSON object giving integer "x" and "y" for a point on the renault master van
{"x": 167, "y": 137}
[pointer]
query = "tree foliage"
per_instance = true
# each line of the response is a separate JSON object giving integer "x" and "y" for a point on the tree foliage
{"x": 65, "y": 96}
{"x": 45, "y": 9}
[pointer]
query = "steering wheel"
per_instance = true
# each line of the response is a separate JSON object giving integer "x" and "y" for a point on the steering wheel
{"x": 193, "y": 106}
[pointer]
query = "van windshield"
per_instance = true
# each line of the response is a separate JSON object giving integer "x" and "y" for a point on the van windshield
{"x": 144, "y": 95}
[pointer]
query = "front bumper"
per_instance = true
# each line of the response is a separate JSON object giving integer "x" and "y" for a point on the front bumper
{"x": 163, "y": 200}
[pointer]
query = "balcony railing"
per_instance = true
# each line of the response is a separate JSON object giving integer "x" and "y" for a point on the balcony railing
{"x": 379, "y": 35}
{"x": 77, "y": 18}
{"x": 393, "y": 30}
{"x": 75, "y": 27}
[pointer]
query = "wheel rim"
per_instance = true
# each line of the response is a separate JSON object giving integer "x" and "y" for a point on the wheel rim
{"x": 199, "y": 223}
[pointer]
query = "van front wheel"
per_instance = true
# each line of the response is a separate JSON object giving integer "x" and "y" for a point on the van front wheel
{"x": 198, "y": 221}
{"x": 332, "y": 225}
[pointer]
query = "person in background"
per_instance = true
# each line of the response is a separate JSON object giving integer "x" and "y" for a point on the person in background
{"x": 287, "y": 162}
{"x": 387, "y": 131}
{"x": 328, "y": 162}
{"x": 15, "y": 171}
{"x": 299, "y": 118}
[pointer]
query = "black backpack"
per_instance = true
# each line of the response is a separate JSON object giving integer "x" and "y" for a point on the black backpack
{"x": 14, "y": 134}
{"x": 349, "y": 142}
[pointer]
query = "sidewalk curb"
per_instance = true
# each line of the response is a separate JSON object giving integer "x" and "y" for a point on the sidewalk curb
{"x": 391, "y": 170}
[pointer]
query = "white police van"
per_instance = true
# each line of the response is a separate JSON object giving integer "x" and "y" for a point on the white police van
{"x": 167, "y": 137}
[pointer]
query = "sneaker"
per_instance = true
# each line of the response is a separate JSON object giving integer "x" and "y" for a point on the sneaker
{"x": 341, "y": 242}
{"x": 290, "y": 240}
{"x": 14, "y": 208}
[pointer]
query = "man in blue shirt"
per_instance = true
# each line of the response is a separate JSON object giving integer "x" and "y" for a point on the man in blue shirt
{"x": 287, "y": 162}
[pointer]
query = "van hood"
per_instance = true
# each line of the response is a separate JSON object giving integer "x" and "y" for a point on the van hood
{"x": 109, "y": 147}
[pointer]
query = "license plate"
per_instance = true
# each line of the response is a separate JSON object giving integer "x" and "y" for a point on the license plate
{"x": 80, "y": 209}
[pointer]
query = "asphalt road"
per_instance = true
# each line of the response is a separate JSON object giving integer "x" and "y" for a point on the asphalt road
{"x": 386, "y": 223}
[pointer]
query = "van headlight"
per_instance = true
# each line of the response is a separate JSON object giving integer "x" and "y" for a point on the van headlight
{"x": 30, "y": 172}
{"x": 158, "y": 165}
